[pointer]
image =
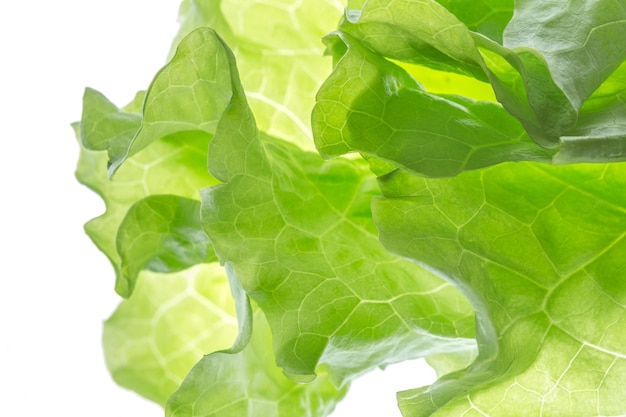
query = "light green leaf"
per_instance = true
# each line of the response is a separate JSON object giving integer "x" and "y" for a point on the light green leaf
{"x": 104, "y": 127}
{"x": 174, "y": 165}
{"x": 419, "y": 32}
{"x": 447, "y": 363}
{"x": 449, "y": 83}
{"x": 279, "y": 55}
{"x": 161, "y": 233}
{"x": 248, "y": 383}
{"x": 155, "y": 337}
{"x": 525, "y": 86}
{"x": 540, "y": 74}
{"x": 188, "y": 94}
{"x": 372, "y": 106}
{"x": 562, "y": 51}
{"x": 287, "y": 222}
{"x": 538, "y": 251}
{"x": 281, "y": 69}
{"x": 194, "y": 14}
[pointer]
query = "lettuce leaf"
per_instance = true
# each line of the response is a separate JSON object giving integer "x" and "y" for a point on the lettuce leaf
{"x": 142, "y": 176}
{"x": 286, "y": 221}
{"x": 478, "y": 223}
{"x": 542, "y": 72}
{"x": 537, "y": 251}
{"x": 279, "y": 55}
{"x": 375, "y": 107}
{"x": 155, "y": 337}
{"x": 159, "y": 233}
{"x": 247, "y": 385}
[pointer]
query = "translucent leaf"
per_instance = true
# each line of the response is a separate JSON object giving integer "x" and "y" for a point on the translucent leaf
{"x": 538, "y": 251}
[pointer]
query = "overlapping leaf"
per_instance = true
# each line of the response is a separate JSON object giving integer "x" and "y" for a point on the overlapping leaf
{"x": 538, "y": 250}
{"x": 299, "y": 218}
{"x": 540, "y": 74}
{"x": 375, "y": 107}
{"x": 288, "y": 221}
{"x": 578, "y": 42}
{"x": 601, "y": 123}
{"x": 162, "y": 233}
{"x": 488, "y": 17}
{"x": 187, "y": 95}
{"x": 144, "y": 174}
{"x": 154, "y": 340}
{"x": 249, "y": 384}
{"x": 279, "y": 55}
{"x": 170, "y": 322}
{"x": 535, "y": 248}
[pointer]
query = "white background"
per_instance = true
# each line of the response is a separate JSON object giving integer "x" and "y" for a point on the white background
{"x": 56, "y": 288}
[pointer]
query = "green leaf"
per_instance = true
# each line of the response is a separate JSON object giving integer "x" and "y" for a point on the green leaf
{"x": 291, "y": 240}
{"x": 418, "y": 32}
{"x": 506, "y": 276}
{"x": 525, "y": 86}
{"x": 562, "y": 57}
{"x": 576, "y": 40}
{"x": 540, "y": 74}
{"x": 488, "y": 17}
{"x": 174, "y": 165}
{"x": 287, "y": 222}
{"x": 154, "y": 338}
{"x": 449, "y": 83}
{"x": 279, "y": 55}
{"x": 188, "y": 94}
{"x": 162, "y": 233}
{"x": 538, "y": 252}
{"x": 449, "y": 362}
{"x": 248, "y": 383}
{"x": 601, "y": 126}
{"x": 104, "y": 127}
{"x": 372, "y": 106}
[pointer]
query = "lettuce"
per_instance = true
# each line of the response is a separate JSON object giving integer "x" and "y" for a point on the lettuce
{"x": 448, "y": 186}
